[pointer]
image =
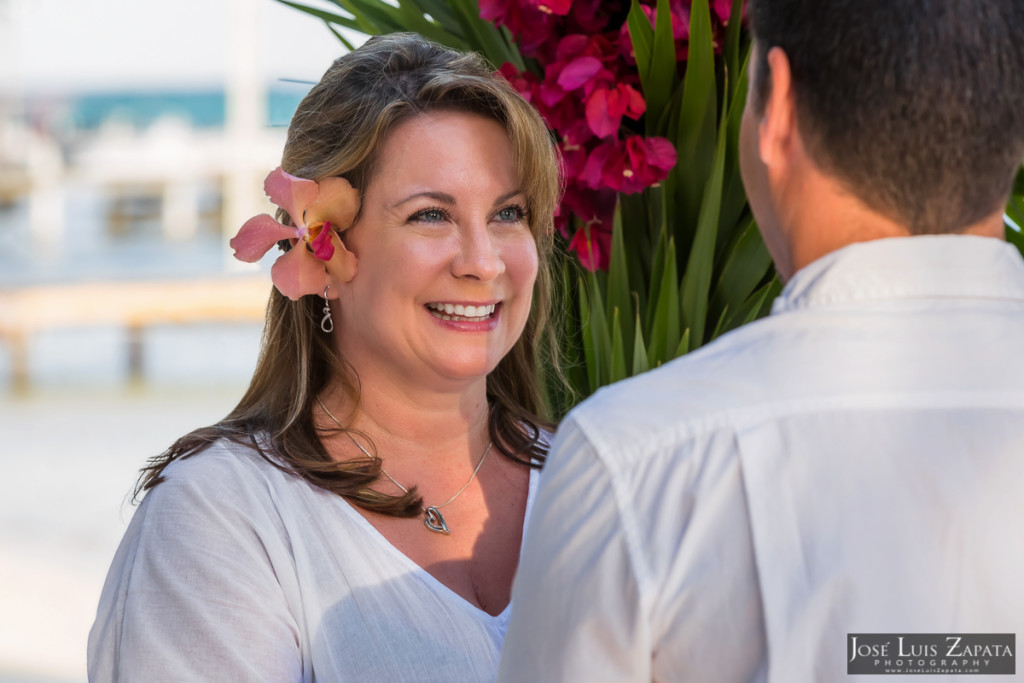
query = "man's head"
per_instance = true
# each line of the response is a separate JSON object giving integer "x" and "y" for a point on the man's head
{"x": 916, "y": 108}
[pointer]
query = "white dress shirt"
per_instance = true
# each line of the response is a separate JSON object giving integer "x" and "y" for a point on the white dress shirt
{"x": 232, "y": 570}
{"x": 852, "y": 464}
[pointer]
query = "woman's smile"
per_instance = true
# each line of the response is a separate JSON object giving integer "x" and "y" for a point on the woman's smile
{"x": 473, "y": 313}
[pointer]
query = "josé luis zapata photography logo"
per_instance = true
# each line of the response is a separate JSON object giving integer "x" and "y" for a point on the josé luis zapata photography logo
{"x": 931, "y": 653}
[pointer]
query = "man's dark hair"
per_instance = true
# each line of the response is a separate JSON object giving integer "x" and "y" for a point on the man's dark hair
{"x": 916, "y": 106}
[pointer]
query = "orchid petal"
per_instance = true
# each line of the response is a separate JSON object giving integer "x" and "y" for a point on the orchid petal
{"x": 579, "y": 71}
{"x": 298, "y": 273}
{"x": 573, "y": 161}
{"x": 492, "y": 10}
{"x": 342, "y": 262}
{"x": 291, "y": 193}
{"x": 591, "y": 175}
{"x": 603, "y": 79}
{"x": 591, "y": 15}
{"x": 618, "y": 102}
{"x": 600, "y": 115}
{"x": 550, "y": 93}
{"x": 592, "y": 245}
{"x": 681, "y": 18}
{"x": 584, "y": 248}
{"x": 323, "y": 249}
{"x": 338, "y": 202}
{"x": 660, "y": 153}
{"x": 571, "y": 45}
{"x": 591, "y": 206}
{"x": 509, "y": 71}
{"x": 636, "y": 105}
{"x": 257, "y": 235}
{"x": 524, "y": 83}
{"x": 617, "y": 172}
{"x": 576, "y": 134}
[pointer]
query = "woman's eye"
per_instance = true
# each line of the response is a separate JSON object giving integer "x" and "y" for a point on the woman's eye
{"x": 429, "y": 216}
{"x": 512, "y": 214}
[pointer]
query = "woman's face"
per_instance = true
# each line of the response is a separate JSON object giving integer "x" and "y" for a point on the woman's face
{"x": 445, "y": 260}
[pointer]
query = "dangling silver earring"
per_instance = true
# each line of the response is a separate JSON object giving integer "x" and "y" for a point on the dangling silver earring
{"x": 327, "y": 322}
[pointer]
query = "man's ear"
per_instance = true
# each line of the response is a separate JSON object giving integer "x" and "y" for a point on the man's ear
{"x": 777, "y": 128}
{"x": 343, "y": 265}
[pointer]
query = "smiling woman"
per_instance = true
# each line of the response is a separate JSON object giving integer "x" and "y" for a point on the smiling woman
{"x": 345, "y": 522}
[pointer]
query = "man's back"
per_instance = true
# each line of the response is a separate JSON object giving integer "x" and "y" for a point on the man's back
{"x": 852, "y": 464}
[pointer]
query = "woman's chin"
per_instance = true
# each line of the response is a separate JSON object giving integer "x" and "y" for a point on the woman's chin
{"x": 466, "y": 366}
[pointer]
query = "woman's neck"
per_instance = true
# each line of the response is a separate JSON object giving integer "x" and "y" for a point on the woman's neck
{"x": 416, "y": 424}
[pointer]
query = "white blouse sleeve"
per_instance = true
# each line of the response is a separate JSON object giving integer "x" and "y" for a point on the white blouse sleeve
{"x": 197, "y": 590}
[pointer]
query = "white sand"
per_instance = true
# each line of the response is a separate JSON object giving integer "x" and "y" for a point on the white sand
{"x": 69, "y": 457}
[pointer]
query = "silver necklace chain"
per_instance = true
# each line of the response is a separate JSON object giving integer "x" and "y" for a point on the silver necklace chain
{"x": 432, "y": 517}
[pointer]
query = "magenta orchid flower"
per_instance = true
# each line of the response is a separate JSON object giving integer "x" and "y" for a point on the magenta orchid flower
{"x": 593, "y": 246}
{"x": 607, "y": 106}
{"x": 588, "y": 89}
{"x": 592, "y": 240}
{"x": 631, "y": 166}
{"x": 318, "y": 210}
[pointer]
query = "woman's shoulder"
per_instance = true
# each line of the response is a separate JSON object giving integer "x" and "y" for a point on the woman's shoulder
{"x": 226, "y": 473}
{"x": 221, "y": 457}
{"x": 223, "y": 500}
{"x": 205, "y": 553}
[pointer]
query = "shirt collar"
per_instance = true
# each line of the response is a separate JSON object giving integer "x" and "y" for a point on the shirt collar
{"x": 923, "y": 266}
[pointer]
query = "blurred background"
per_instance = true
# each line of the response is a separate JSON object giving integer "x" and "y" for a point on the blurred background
{"x": 134, "y": 139}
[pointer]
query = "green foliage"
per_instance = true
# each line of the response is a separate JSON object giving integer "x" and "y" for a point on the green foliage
{"x": 455, "y": 23}
{"x": 698, "y": 217}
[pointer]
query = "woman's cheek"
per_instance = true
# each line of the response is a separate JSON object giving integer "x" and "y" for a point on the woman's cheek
{"x": 522, "y": 261}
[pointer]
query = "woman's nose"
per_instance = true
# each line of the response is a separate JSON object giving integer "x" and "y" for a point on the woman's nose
{"x": 479, "y": 254}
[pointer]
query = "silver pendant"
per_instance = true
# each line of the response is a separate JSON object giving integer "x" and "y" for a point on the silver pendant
{"x": 434, "y": 520}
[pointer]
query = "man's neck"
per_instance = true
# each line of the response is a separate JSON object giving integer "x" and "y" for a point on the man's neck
{"x": 836, "y": 219}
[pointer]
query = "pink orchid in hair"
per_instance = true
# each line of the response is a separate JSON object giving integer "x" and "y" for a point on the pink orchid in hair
{"x": 318, "y": 210}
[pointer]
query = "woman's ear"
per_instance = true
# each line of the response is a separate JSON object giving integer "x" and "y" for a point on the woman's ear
{"x": 341, "y": 268}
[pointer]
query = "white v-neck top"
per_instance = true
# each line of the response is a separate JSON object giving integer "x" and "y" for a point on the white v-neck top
{"x": 232, "y": 570}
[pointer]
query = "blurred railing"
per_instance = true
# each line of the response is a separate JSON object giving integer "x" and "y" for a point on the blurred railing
{"x": 132, "y": 306}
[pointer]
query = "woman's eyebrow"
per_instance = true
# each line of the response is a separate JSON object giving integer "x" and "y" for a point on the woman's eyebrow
{"x": 442, "y": 197}
{"x": 505, "y": 197}
{"x": 446, "y": 198}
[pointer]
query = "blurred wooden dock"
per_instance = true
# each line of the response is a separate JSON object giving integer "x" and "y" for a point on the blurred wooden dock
{"x": 131, "y": 305}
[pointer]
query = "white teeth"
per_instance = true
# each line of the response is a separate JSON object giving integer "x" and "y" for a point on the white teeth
{"x": 460, "y": 311}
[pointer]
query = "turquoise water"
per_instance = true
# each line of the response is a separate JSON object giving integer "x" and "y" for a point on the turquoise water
{"x": 88, "y": 248}
{"x": 201, "y": 108}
